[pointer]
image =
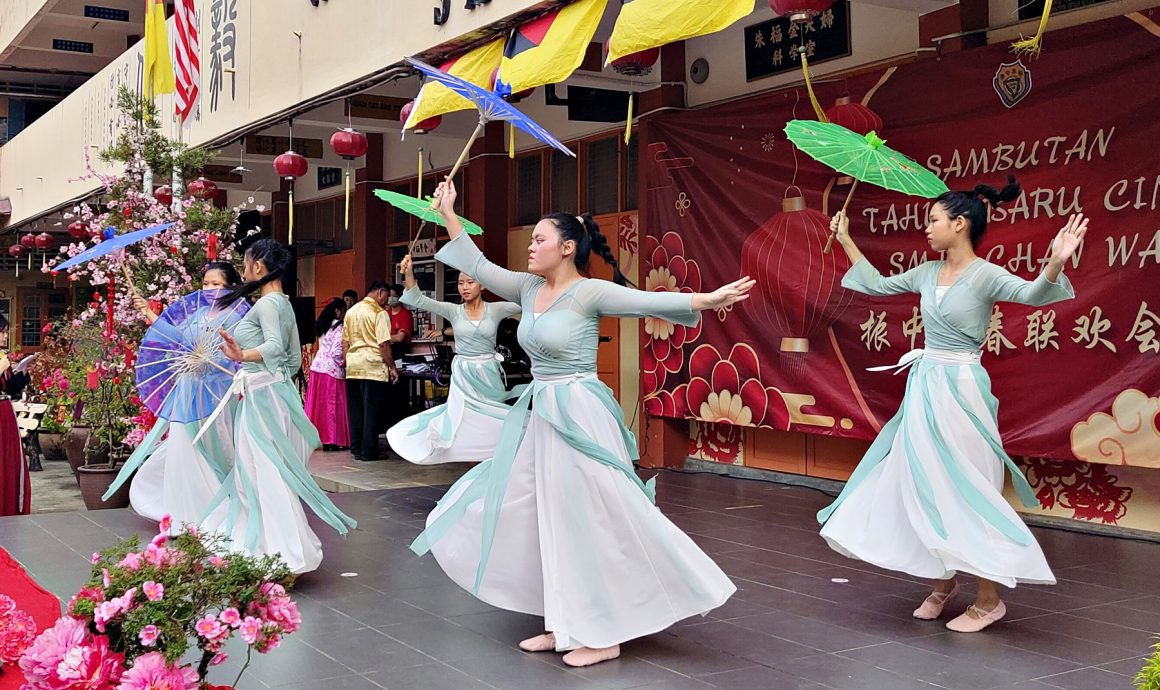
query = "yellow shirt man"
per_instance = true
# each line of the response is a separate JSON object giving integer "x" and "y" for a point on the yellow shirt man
{"x": 365, "y": 328}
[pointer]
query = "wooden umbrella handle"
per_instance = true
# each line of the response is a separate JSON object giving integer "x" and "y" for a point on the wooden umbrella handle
{"x": 830, "y": 239}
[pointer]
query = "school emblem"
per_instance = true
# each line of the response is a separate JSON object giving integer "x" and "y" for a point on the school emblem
{"x": 1012, "y": 82}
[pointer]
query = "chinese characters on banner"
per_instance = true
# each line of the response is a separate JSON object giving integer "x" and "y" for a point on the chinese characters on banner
{"x": 223, "y": 44}
{"x": 771, "y": 47}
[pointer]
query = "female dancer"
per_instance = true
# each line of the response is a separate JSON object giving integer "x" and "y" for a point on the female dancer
{"x": 326, "y": 390}
{"x": 927, "y": 497}
{"x": 273, "y": 439}
{"x": 174, "y": 476}
{"x": 465, "y": 428}
{"x": 557, "y": 523}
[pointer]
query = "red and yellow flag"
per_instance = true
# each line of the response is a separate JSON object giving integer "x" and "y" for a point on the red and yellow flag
{"x": 549, "y": 49}
{"x": 644, "y": 24}
{"x": 474, "y": 66}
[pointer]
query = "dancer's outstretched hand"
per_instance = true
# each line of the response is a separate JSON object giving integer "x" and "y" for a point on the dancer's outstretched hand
{"x": 1067, "y": 241}
{"x": 728, "y": 294}
{"x": 230, "y": 346}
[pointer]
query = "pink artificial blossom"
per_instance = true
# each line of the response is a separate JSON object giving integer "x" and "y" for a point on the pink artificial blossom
{"x": 148, "y": 635}
{"x": 152, "y": 672}
{"x": 166, "y": 523}
{"x": 250, "y": 629}
{"x": 132, "y": 561}
{"x": 154, "y": 591}
{"x": 230, "y": 617}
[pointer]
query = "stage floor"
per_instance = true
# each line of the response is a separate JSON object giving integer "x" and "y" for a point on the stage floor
{"x": 399, "y": 623}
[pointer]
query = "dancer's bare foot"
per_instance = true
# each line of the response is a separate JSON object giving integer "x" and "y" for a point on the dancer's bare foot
{"x": 587, "y": 656}
{"x": 539, "y": 643}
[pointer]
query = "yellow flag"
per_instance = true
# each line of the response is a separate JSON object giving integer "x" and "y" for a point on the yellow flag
{"x": 159, "y": 77}
{"x": 549, "y": 49}
{"x": 644, "y": 24}
{"x": 475, "y": 66}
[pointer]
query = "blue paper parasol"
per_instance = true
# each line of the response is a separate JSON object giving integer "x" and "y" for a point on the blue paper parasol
{"x": 491, "y": 107}
{"x": 111, "y": 245}
{"x": 181, "y": 371}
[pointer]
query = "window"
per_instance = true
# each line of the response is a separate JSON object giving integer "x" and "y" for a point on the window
{"x": 601, "y": 176}
{"x": 529, "y": 190}
{"x": 565, "y": 191}
{"x": 30, "y": 321}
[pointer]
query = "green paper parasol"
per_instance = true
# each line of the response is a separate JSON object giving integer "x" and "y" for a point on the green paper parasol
{"x": 421, "y": 209}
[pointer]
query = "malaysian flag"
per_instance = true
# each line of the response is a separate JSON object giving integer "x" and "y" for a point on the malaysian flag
{"x": 187, "y": 65}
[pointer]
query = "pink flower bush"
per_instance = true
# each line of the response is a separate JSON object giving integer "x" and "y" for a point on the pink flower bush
{"x": 135, "y": 613}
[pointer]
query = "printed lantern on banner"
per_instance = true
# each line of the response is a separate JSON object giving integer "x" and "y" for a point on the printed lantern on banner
{"x": 856, "y": 118}
{"x": 350, "y": 145}
{"x": 78, "y": 230}
{"x": 290, "y": 166}
{"x": 800, "y": 11}
{"x": 202, "y": 188}
{"x": 428, "y": 125}
{"x": 799, "y": 287}
{"x": 164, "y": 195}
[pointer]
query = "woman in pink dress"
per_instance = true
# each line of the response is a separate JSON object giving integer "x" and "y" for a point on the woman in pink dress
{"x": 326, "y": 391}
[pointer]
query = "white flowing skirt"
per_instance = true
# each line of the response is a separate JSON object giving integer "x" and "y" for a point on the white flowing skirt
{"x": 911, "y": 511}
{"x": 262, "y": 511}
{"x": 177, "y": 479}
{"x": 463, "y": 429}
{"x": 578, "y": 542}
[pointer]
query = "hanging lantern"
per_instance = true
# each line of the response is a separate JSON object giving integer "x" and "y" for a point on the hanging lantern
{"x": 799, "y": 11}
{"x": 202, "y": 188}
{"x": 211, "y": 248}
{"x": 856, "y": 118}
{"x": 636, "y": 64}
{"x": 164, "y": 195}
{"x": 798, "y": 287}
{"x": 350, "y": 145}
{"x": 43, "y": 241}
{"x": 92, "y": 380}
{"x": 290, "y": 166}
{"x": 428, "y": 125}
{"x": 78, "y": 230}
{"x": 28, "y": 241}
{"x": 16, "y": 251}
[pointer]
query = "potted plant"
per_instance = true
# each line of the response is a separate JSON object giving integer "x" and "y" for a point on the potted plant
{"x": 143, "y": 609}
{"x": 1149, "y": 676}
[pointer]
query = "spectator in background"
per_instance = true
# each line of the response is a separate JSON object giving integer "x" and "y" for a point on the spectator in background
{"x": 350, "y": 297}
{"x": 370, "y": 369}
{"x": 326, "y": 392}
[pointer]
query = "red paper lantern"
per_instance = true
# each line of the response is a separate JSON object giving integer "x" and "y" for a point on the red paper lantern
{"x": 43, "y": 241}
{"x": 15, "y": 251}
{"x": 800, "y": 11}
{"x": 854, "y": 116}
{"x": 798, "y": 287}
{"x": 348, "y": 143}
{"x": 428, "y": 125}
{"x": 164, "y": 195}
{"x": 291, "y": 165}
{"x": 511, "y": 97}
{"x": 202, "y": 188}
{"x": 78, "y": 230}
{"x": 635, "y": 64}
{"x": 28, "y": 241}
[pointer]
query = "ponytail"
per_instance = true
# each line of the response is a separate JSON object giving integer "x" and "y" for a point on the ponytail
{"x": 276, "y": 258}
{"x": 970, "y": 205}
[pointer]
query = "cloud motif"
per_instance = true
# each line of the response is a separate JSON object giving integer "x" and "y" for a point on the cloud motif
{"x": 1128, "y": 436}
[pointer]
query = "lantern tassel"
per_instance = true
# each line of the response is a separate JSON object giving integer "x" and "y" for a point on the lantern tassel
{"x": 18, "y": 268}
{"x": 1031, "y": 46}
{"x": 291, "y": 223}
{"x": 511, "y": 140}
{"x": 346, "y": 213}
{"x": 810, "y": 88}
{"x": 628, "y": 122}
{"x": 30, "y": 260}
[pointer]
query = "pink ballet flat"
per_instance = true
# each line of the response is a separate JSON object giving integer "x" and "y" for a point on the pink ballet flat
{"x": 586, "y": 656}
{"x": 932, "y": 606}
{"x": 969, "y": 624}
{"x": 539, "y": 643}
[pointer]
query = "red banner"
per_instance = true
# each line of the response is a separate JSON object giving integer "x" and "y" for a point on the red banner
{"x": 1077, "y": 127}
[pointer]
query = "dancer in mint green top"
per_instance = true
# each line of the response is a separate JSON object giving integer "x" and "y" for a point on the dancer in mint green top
{"x": 557, "y": 524}
{"x": 467, "y": 426}
{"x": 273, "y": 438}
{"x": 927, "y": 498}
